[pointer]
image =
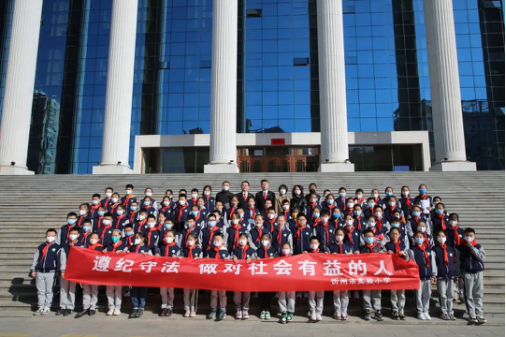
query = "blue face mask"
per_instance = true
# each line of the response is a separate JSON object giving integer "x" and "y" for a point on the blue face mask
{"x": 423, "y": 191}
{"x": 336, "y": 215}
{"x": 330, "y": 202}
{"x": 440, "y": 211}
{"x": 419, "y": 241}
{"x": 388, "y": 194}
{"x": 251, "y": 221}
{"x": 147, "y": 203}
{"x": 316, "y": 215}
{"x": 115, "y": 239}
{"x": 94, "y": 202}
{"x": 395, "y": 225}
{"x": 342, "y": 194}
{"x": 86, "y": 228}
{"x": 415, "y": 214}
{"x": 129, "y": 234}
{"x": 371, "y": 204}
{"x": 369, "y": 240}
{"x": 101, "y": 213}
{"x": 357, "y": 213}
{"x": 71, "y": 221}
{"x": 195, "y": 213}
{"x": 211, "y": 223}
{"x": 133, "y": 208}
{"x": 167, "y": 226}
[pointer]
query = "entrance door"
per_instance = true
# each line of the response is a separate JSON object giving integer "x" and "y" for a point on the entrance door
{"x": 277, "y": 164}
{"x": 299, "y": 164}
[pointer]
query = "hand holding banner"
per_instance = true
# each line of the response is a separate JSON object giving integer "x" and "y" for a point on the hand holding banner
{"x": 303, "y": 272}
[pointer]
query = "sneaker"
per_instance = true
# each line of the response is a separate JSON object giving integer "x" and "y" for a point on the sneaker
{"x": 168, "y": 313}
{"x": 221, "y": 315}
{"x": 421, "y": 316}
{"x": 133, "y": 314}
{"x": 313, "y": 316}
{"x": 367, "y": 316}
{"x": 395, "y": 315}
{"x": 452, "y": 317}
{"x": 338, "y": 316}
{"x": 92, "y": 312}
{"x": 378, "y": 316}
{"x": 318, "y": 317}
{"x": 186, "y": 313}
{"x": 481, "y": 319}
{"x": 162, "y": 312}
{"x": 473, "y": 320}
{"x": 82, "y": 313}
{"x": 139, "y": 313}
{"x": 402, "y": 317}
{"x": 110, "y": 312}
{"x": 45, "y": 311}
{"x": 427, "y": 316}
{"x": 193, "y": 314}
{"x": 344, "y": 317}
{"x": 289, "y": 316}
{"x": 38, "y": 312}
{"x": 262, "y": 315}
{"x": 238, "y": 314}
{"x": 267, "y": 315}
{"x": 60, "y": 312}
{"x": 212, "y": 314}
{"x": 282, "y": 320}
{"x": 245, "y": 314}
{"x": 116, "y": 312}
{"x": 67, "y": 312}
{"x": 445, "y": 316}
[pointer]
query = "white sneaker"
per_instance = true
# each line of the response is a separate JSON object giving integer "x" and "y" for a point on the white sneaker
{"x": 116, "y": 312}
{"x": 39, "y": 311}
{"x": 318, "y": 317}
{"x": 427, "y": 316}
{"x": 421, "y": 316}
{"x": 313, "y": 316}
{"x": 45, "y": 311}
{"x": 110, "y": 312}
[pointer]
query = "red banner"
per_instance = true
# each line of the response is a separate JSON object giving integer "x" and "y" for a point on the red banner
{"x": 303, "y": 272}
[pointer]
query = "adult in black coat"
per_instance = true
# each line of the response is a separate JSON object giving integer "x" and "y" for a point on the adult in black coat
{"x": 264, "y": 194}
{"x": 225, "y": 195}
{"x": 298, "y": 200}
{"x": 244, "y": 195}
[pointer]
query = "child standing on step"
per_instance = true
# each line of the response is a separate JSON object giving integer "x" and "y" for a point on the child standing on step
{"x": 398, "y": 297}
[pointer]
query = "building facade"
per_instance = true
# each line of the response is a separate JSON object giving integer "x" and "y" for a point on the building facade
{"x": 315, "y": 80}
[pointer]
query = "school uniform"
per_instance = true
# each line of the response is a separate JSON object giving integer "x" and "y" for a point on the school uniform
{"x": 440, "y": 222}
{"x": 380, "y": 235}
{"x": 387, "y": 214}
{"x": 310, "y": 208}
{"x": 167, "y": 211}
{"x": 84, "y": 239}
{"x": 206, "y": 237}
{"x": 128, "y": 240}
{"x": 82, "y": 218}
{"x": 397, "y": 297}
{"x": 242, "y": 298}
{"x": 190, "y": 296}
{"x": 119, "y": 222}
{"x": 218, "y": 295}
{"x": 371, "y": 298}
{"x": 187, "y": 231}
{"x": 353, "y": 237}
{"x": 286, "y": 300}
{"x": 180, "y": 214}
{"x": 138, "y": 224}
{"x": 256, "y": 234}
{"x": 280, "y": 237}
{"x": 447, "y": 264}
{"x": 63, "y": 234}
{"x": 405, "y": 233}
{"x": 233, "y": 233}
{"x": 119, "y": 246}
{"x": 231, "y": 211}
{"x": 112, "y": 208}
{"x": 368, "y": 211}
{"x": 412, "y": 224}
{"x": 454, "y": 236}
{"x": 97, "y": 223}
{"x": 138, "y": 295}
{"x": 316, "y": 297}
{"x": 325, "y": 232}
{"x": 472, "y": 264}
{"x": 425, "y": 259}
{"x": 90, "y": 291}
{"x": 170, "y": 250}
{"x": 209, "y": 203}
{"x": 265, "y": 297}
{"x": 127, "y": 200}
{"x": 94, "y": 210}
{"x": 301, "y": 238}
{"x": 67, "y": 288}
{"x": 152, "y": 236}
{"x": 341, "y": 297}
{"x": 341, "y": 203}
{"x": 192, "y": 201}
{"x": 406, "y": 205}
{"x": 45, "y": 263}
{"x": 113, "y": 292}
{"x": 360, "y": 222}
{"x": 429, "y": 241}
{"x": 105, "y": 235}
{"x": 337, "y": 222}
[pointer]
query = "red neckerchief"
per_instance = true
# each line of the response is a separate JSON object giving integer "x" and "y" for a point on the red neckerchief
{"x": 423, "y": 196}
{"x": 197, "y": 218}
{"x": 426, "y": 239}
{"x": 127, "y": 199}
{"x": 116, "y": 245}
{"x": 360, "y": 202}
{"x": 456, "y": 233}
{"x": 149, "y": 235}
{"x": 164, "y": 208}
{"x": 68, "y": 230}
{"x": 94, "y": 207}
{"x": 188, "y": 231}
{"x": 313, "y": 205}
{"x": 416, "y": 219}
{"x": 392, "y": 208}
{"x": 339, "y": 247}
{"x": 287, "y": 215}
{"x": 148, "y": 206}
{"x": 137, "y": 248}
{"x": 81, "y": 218}
{"x": 100, "y": 218}
{"x": 265, "y": 252}
{"x": 371, "y": 248}
{"x": 350, "y": 232}
{"x": 118, "y": 219}
{"x": 85, "y": 235}
{"x": 159, "y": 226}
{"x": 331, "y": 207}
{"x": 236, "y": 234}
{"x": 217, "y": 255}
{"x": 190, "y": 250}
{"x": 44, "y": 251}
{"x": 397, "y": 246}
{"x": 297, "y": 234}
{"x": 92, "y": 247}
{"x": 259, "y": 232}
{"x": 379, "y": 224}
{"x": 132, "y": 213}
{"x": 442, "y": 218}
{"x": 464, "y": 243}
{"x": 425, "y": 255}
{"x": 211, "y": 235}
{"x": 104, "y": 229}
{"x": 359, "y": 224}
{"x": 113, "y": 207}
{"x": 194, "y": 200}
{"x": 181, "y": 208}
{"x": 408, "y": 203}
{"x": 317, "y": 221}
{"x": 279, "y": 236}
{"x": 445, "y": 252}
{"x": 167, "y": 248}
{"x": 106, "y": 202}
{"x": 376, "y": 201}
{"x": 271, "y": 222}
{"x": 232, "y": 210}
{"x": 311, "y": 250}
{"x": 129, "y": 241}
{"x": 140, "y": 224}
{"x": 326, "y": 226}
{"x": 252, "y": 212}
{"x": 244, "y": 249}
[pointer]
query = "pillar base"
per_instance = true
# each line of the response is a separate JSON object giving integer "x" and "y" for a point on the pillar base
{"x": 112, "y": 169}
{"x": 221, "y": 168}
{"x": 454, "y": 166}
{"x": 15, "y": 171}
{"x": 336, "y": 167}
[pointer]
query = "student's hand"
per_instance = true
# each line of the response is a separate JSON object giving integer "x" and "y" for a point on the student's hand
{"x": 390, "y": 252}
{"x": 119, "y": 252}
{"x": 402, "y": 254}
{"x": 235, "y": 259}
{"x": 304, "y": 252}
{"x": 381, "y": 252}
{"x": 248, "y": 260}
{"x": 327, "y": 253}
{"x": 356, "y": 252}
{"x": 180, "y": 257}
{"x": 433, "y": 279}
{"x": 33, "y": 274}
{"x": 157, "y": 254}
{"x": 461, "y": 280}
{"x": 63, "y": 275}
{"x": 345, "y": 253}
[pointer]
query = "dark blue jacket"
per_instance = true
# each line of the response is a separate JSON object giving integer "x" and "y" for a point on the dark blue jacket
{"x": 425, "y": 272}
{"x": 450, "y": 235}
{"x": 50, "y": 261}
{"x": 196, "y": 252}
{"x": 469, "y": 262}
{"x": 271, "y": 252}
{"x": 284, "y": 238}
{"x": 321, "y": 234}
{"x": 340, "y": 249}
{"x": 211, "y": 253}
{"x": 446, "y": 272}
{"x": 355, "y": 235}
{"x": 302, "y": 243}
{"x": 239, "y": 253}
{"x": 140, "y": 250}
{"x": 169, "y": 251}
{"x": 231, "y": 232}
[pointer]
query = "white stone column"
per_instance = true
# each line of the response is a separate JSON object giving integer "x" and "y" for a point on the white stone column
{"x": 19, "y": 84}
{"x": 223, "y": 143}
{"x": 120, "y": 78}
{"x": 333, "y": 111}
{"x": 445, "y": 88}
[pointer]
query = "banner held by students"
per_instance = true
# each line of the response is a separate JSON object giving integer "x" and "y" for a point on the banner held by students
{"x": 303, "y": 272}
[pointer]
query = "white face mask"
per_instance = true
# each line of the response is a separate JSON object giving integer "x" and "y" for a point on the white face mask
{"x": 120, "y": 212}
{"x": 191, "y": 243}
{"x": 137, "y": 242}
{"x": 314, "y": 246}
{"x": 282, "y": 192}
{"x": 106, "y": 222}
{"x": 286, "y": 251}
{"x": 286, "y": 207}
{"x": 297, "y": 192}
{"x": 151, "y": 224}
{"x": 73, "y": 237}
{"x": 265, "y": 243}
{"x": 391, "y": 203}
{"x": 108, "y": 195}
{"x": 142, "y": 217}
{"x": 128, "y": 192}
{"x": 182, "y": 202}
{"x": 217, "y": 243}
{"x": 225, "y": 188}
{"x": 242, "y": 242}
{"x": 325, "y": 219}
{"x": 314, "y": 200}
{"x": 82, "y": 212}
{"x": 149, "y": 194}
{"x": 235, "y": 221}
{"x": 359, "y": 196}
{"x": 114, "y": 200}
{"x": 350, "y": 222}
{"x": 469, "y": 238}
{"x": 339, "y": 238}
{"x": 350, "y": 205}
{"x": 206, "y": 193}
{"x": 375, "y": 195}
{"x": 453, "y": 223}
{"x": 93, "y": 241}
{"x": 169, "y": 240}
{"x": 441, "y": 240}
{"x": 271, "y": 216}
{"x": 195, "y": 195}
{"x": 422, "y": 229}
{"x": 166, "y": 203}
{"x": 405, "y": 193}
{"x": 50, "y": 239}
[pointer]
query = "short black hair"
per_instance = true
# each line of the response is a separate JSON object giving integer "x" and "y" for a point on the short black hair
{"x": 395, "y": 229}
{"x": 87, "y": 221}
{"x": 301, "y": 215}
{"x": 129, "y": 186}
{"x": 108, "y": 214}
{"x": 368, "y": 231}
{"x": 51, "y": 230}
{"x": 182, "y": 195}
{"x": 324, "y": 212}
{"x": 152, "y": 216}
{"x": 96, "y": 195}
{"x": 454, "y": 214}
{"x": 193, "y": 235}
{"x": 190, "y": 217}
{"x": 245, "y": 181}
{"x": 313, "y": 238}
{"x": 220, "y": 235}
{"x": 469, "y": 230}
{"x": 71, "y": 214}
{"x": 264, "y": 181}
{"x": 128, "y": 226}
{"x": 109, "y": 188}
{"x": 75, "y": 229}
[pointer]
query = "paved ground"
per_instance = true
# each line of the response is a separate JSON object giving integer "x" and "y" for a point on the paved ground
{"x": 151, "y": 325}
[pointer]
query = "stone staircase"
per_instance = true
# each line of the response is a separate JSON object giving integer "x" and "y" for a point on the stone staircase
{"x": 30, "y": 205}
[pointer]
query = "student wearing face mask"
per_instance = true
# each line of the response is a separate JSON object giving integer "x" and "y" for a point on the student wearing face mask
{"x": 312, "y": 204}
{"x": 95, "y": 205}
{"x": 285, "y": 210}
{"x": 116, "y": 245}
{"x": 99, "y": 216}
{"x": 312, "y": 190}
{"x": 132, "y": 212}
{"x": 190, "y": 296}
{"x": 114, "y": 203}
{"x": 375, "y": 195}
{"x": 424, "y": 196}
{"x": 147, "y": 205}
{"x": 251, "y": 211}
{"x": 208, "y": 233}
{"x": 325, "y": 230}
{"x": 286, "y": 299}
{"x": 391, "y": 207}
{"x": 440, "y": 219}
{"x": 169, "y": 248}
{"x": 128, "y": 236}
{"x": 358, "y": 215}
{"x": 359, "y": 197}
{"x": 234, "y": 231}
{"x": 67, "y": 288}
{"x": 46, "y": 261}
{"x": 106, "y": 202}
{"x": 129, "y": 196}
{"x": 341, "y": 199}
{"x": 422, "y": 228}
{"x": 200, "y": 217}
{"x": 166, "y": 207}
{"x": 368, "y": 208}
{"x": 405, "y": 231}
{"x": 472, "y": 265}
{"x": 90, "y": 291}
{"x": 412, "y": 222}
{"x": 234, "y": 205}
{"x": 218, "y": 251}
{"x": 242, "y": 252}
{"x": 194, "y": 197}
{"x": 379, "y": 231}
{"x": 298, "y": 200}
{"x": 181, "y": 211}
{"x": 349, "y": 206}
{"x": 270, "y": 219}
{"x": 120, "y": 219}
{"x": 315, "y": 297}
{"x": 425, "y": 259}
{"x": 301, "y": 235}
{"x": 281, "y": 199}
{"x": 83, "y": 215}
{"x": 190, "y": 228}
{"x": 225, "y": 196}
{"x": 371, "y": 298}
{"x": 84, "y": 239}
{"x": 281, "y": 234}
{"x": 336, "y": 218}
{"x": 329, "y": 203}
{"x": 341, "y": 297}
{"x": 140, "y": 222}
{"x": 454, "y": 237}
{"x": 105, "y": 231}
{"x": 389, "y": 192}
{"x": 353, "y": 236}
{"x": 398, "y": 296}
{"x": 406, "y": 202}
{"x": 64, "y": 231}
{"x": 138, "y": 295}
{"x": 266, "y": 251}
{"x": 257, "y": 230}
{"x": 151, "y": 232}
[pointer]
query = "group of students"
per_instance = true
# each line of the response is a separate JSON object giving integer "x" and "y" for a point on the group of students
{"x": 246, "y": 226}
